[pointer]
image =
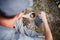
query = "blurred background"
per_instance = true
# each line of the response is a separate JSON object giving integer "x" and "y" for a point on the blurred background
{"x": 52, "y": 9}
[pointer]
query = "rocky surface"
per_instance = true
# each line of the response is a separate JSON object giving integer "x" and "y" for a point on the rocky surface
{"x": 53, "y": 15}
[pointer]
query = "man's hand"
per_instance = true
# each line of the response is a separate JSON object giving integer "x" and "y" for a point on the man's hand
{"x": 48, "y": 34}
{"x": 42, "y": 15}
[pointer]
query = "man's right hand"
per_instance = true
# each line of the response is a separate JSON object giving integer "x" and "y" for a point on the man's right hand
{"x": 48, "y": 34}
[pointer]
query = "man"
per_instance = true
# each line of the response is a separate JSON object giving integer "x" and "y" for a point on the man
{"x": 10, "y": 11}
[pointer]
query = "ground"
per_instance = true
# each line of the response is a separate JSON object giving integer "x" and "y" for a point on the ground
{"x": 53, "y": 15}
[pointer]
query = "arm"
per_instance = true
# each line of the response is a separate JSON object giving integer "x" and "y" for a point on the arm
{"x": 24, "y": 16}
{"x": 48, "y": 34}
